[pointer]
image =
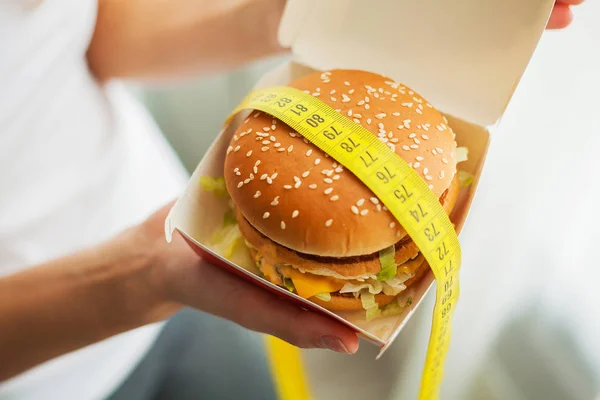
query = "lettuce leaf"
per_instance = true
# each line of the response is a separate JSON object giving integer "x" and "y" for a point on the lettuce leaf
{"x": 462, "y": 154}
{"x": 324, "y": 296}
{"x": 368, "y": 302}
{"x": 388, "y": 264}
{"x": 216, "y": 185}
{"x": 465, "y": 179}
{"x": 225, "y": 241}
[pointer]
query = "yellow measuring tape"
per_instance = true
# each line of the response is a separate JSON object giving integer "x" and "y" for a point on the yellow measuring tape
{"x": 396, "y": 185}
{"x": 285, "y": 361}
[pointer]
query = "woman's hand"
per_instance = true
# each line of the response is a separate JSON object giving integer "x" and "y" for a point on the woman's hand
{"x": 561, "y": 14}
{"x": 183, "y": 278}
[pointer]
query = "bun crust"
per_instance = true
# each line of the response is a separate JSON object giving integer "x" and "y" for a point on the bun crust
{"x": 352, "y": 268}
{"x": 347, "y": 303}
{"x": 294, "y": 194}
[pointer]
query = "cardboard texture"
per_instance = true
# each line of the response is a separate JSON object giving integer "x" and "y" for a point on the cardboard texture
{"x": 466, "y": 60}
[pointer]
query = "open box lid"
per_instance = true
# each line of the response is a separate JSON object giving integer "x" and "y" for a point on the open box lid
{"x": 465, "y": 56}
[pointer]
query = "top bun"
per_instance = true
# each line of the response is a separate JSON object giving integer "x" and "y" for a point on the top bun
{"x": 299, "y": 197}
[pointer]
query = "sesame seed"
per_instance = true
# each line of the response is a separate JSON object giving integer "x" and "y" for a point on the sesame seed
{"x": 235, "y": 138}
{"x": 229, "y": 149}
{"x": 289, "y": 149}
{"x": 417, "y": 141}
{"x": 428, "y": 177}
{"x": 392, "y": 224}
{"x": 277, "y": 145}
{"x": 298, "y": 184}
{"x": 236, "y": 169}
{"x": 287, "y": 186}
{"x": 378, "y": 207}
{"x": 308, "y": 152}
{"x": 272, "y": 138}
{"x": 407, "y": 123}
{"x": 354, "y": 209}
{"x": 239, "y": 185}
{"x": 367, "y": 106}
{"x": 374, "y": 200}
{"x": 295, "y": 213}
{"x": 412, "y": 135}
{"x": 305, "y": 174}
{"x": 273, "y": 127}
{"x": 255, "y": 169}
{"x": 263, "y": 177}
{"x": 360, "y": 202}
{"x": 385, "y": 208}
{"x": 345, "y": 98}
{"x": 296, "y": 179}
{"x": 425, "y": 171}
{"x": 248, "y": 154}
{"x": 351, "y": 91}
{"x": 339, "y": 169}
{"x": 333, "y": 99}
{"x": 380, "y": 115}
{"x": 282, "y": 225}
{"x": 312, "y": 186}
{"x": 335, "y": 197}
{"x": 356, "y": 120}
{"x": 419, "y": 111}
{"x": 346, "y": 83}
{"x": 434, "y": 152}
{"x": 394, "y": 140}
{"x": 266, "y": 215}
{"x": 317, "y": 161}
{"x": 269, "y": 180}
{"x": 265, "y": 148}
{"x": 328, "y": 222}
{"x": 275, "y": 201}
{"x": 396, "y": 114}
{"x": 236, "y": 149}
{"x": 364, "y": 212}
{"x": 257, "y": 194}
{"x": 419, "y": 158}
{"x": 332, "y": 91}
{"x": 442, "y": 174}
{"x": 439, "y": 150}
{"x": 414, "y": 146}
{"x": 328, "y": 180}
{"x": 266, "y": 128}
{"x": 266, "y": 142}
{"x": 376, "y": 95}
{"x": 425, "y": 128}
{"x": 360, "y": 103}
{"x": 368, "y": 119}
{"x": 409, "y": 105}
{"x": 405, "y": 147}
{"x": 328, "y": 190}
{"x": 381, "y": 126}
{"x": 256, "y": 115}
{"x": 280, "y": 149}
{"x": 238, "y": 173}
{"x": 350, "y": 113}
{"x": 292, "y": 134}
{"x": 416, "y": 165}
{"x": 430, "y": 186}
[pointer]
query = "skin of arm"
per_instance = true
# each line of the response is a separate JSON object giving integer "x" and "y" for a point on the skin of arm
{"x": 132, "y": 280}
{"x": 158, "y": 39}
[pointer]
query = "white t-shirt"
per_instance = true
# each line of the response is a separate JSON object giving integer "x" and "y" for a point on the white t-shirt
{"x": 78, "y": 163}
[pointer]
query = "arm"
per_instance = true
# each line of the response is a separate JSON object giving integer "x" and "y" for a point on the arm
{"x": 160, "y": 38}
{"x": 135, "y": 279}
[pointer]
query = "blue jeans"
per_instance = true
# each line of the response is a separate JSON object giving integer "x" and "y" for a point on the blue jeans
{"x": 198, "y": 356}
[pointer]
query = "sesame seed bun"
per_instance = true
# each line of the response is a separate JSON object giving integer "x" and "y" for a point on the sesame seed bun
{"x": 296, "y": 196}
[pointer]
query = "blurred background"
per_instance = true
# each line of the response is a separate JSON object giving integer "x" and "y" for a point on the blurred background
{"x": 527, "y": 325}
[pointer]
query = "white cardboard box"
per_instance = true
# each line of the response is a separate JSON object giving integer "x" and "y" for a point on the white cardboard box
{"x": 464, "y": 56}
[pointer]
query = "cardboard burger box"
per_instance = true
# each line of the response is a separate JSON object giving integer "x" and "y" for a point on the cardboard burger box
{"x": 465, "y": 57}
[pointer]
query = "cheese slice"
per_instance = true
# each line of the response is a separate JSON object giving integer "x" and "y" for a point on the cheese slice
{"x": 308, "y": 285}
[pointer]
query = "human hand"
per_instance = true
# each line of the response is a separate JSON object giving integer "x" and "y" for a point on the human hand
{"x": 180, "y": 277}
{"x": 561, "y": 14}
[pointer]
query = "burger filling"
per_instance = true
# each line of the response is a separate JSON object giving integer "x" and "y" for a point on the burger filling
{"x": 390, "y": 281}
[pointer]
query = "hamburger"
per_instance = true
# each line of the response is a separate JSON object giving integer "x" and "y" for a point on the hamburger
{"x": 313, "y": 227}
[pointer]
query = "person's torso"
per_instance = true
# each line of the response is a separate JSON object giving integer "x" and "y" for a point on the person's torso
{"x": 78, "y": 163}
